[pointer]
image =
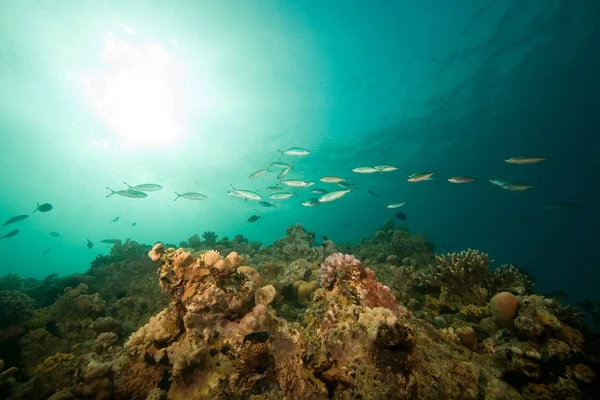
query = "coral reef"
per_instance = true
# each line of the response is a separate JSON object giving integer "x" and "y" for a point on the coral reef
{"x": 217, "y": 319}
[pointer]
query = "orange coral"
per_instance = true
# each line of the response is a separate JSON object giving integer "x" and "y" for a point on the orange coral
{"x": 504, "y": 307}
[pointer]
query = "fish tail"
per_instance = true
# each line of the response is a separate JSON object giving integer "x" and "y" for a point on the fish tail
{"x": 127, "y": 184}
{"x": 111, "y": 192}
{"x": 281, "y": 156}
{"x": 178, "y": 196}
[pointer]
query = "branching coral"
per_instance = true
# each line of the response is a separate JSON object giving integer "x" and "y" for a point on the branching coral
{"x": 510, "y": 279}
{"x": 465, "y": 276}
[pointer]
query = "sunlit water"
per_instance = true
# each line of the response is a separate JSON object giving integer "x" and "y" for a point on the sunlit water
{"x": 196, "y": 96}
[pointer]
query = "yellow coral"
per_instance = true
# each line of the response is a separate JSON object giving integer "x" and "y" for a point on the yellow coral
{"x": 473, "y": 312}
{"x": 53, "y": 362}
{"x": 432, "y": 305}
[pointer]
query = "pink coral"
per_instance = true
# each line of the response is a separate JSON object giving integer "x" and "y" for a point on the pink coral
{"x": 333, "y": 263}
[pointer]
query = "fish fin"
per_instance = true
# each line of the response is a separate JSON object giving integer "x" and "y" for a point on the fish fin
{"x": 111, "y": 192}
{"x": 281, "y": 156}
{"x": 275, "y": 205}
{"x": 178, "y": 196}
{"x": 127, "y": 184}
{"x": 38, "y": 207}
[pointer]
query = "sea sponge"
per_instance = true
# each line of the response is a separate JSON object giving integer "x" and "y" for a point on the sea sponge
{"x": 372, "y": 318}
{"x": 97, "y": 383}
{"x": 156, "y": 252}
{"x": 210, "y": 258}
{"x": 305, "y": 289}
{"x": 53, "y": 362}
{"x": 467, "y": 337}
{"x": 504, "y": 307}
{"x": 265, "y": 295}
{"x": 269, "y": 271}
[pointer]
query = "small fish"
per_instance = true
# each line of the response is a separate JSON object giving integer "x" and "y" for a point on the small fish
{"x": 284, "y": 173}
{"x": 372, "y": 193}
{"x": 43, "y": 207}
{"x": 401, "y": 216}
{"x": 267, "y": 204}
{"x": 345, "y": 185}
{"x": 525, "y": 160}
{"x": 109, "y": 241}
{"x": 396, "y": 205}
{"x": 426, "y": 176}
{"x": 279, "y": 164}
{"x": 461, "y": 179}
{"x": 246, "y": 194}
{"x": 281, "y": 195}
{"x": 385, "y": 168}
{"x": 54, "y": 234}
{"x": 115, "y": 220}
{"x": 258, "y": 173}
{"x": 273, "y": 188}
{"x": 234, "y": 193}
{"x": 191, "y": 196}
{"x": 144, "y": 187}
{"x": 16, "y": 219}
{"x": 254, "y": 218}
{"x": 326, "y": 198}
{"x": 134, "y": 194}
{"x": 311, "y": 203}
{"x": 512, "y": 186}
{"x": 10, "y": 234}
{"x": 560, "y": 206}
{"x": 319, "y": 191}
{"x": 295, "y": 151}
{"x": 332, "y": 179}
{"x": 46, "y": 252}
{"x": 365, "y": 170}
{"x": 134, "y": 224}
{"x": 297, "y": 183}
{"x": 89, "y": 244}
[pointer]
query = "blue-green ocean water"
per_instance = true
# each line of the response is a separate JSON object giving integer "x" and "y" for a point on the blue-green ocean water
{"x": 196, "y": 96}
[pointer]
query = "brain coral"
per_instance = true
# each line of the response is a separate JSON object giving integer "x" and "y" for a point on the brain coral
{"x": 504, "y": 308}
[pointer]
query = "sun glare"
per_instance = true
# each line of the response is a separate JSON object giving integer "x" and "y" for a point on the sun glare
{"x": 136, "y": 92}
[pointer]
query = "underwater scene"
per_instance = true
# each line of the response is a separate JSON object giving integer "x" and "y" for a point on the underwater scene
{"x": 270, "y": 199}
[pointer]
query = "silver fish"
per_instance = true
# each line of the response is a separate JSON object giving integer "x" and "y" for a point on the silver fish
{"x": 297, "y": 183}
{"x": 365, "y": 170}
{"x": 191, "y": 196}
{"x": 279, "y": 164}
{"x": 426, "y": 176}
{"x": 512, "y": 186}
{"x": 396, "y": 205}
{"x": 281, "y": 195}
{"x": 385, "y": 168}
{"x": 258, "y": 173}
{"x": 145, "y": 187}
{"x": 461, "y": 179}
{"x": 333, "y": 196}
{"x": 134, "y": 194}
{"x": 235, "y": 193}
{"x": 311, "y": 203}
{"x": 247, "y": 194}
{"x": 295, "y": 151}
{"x": 283, "y": 173}
{"x": 318, "y": 191}
{"x": 525, "y": 160}
{"x": 273, "y": 188}
{"x": 332, "y": 179}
